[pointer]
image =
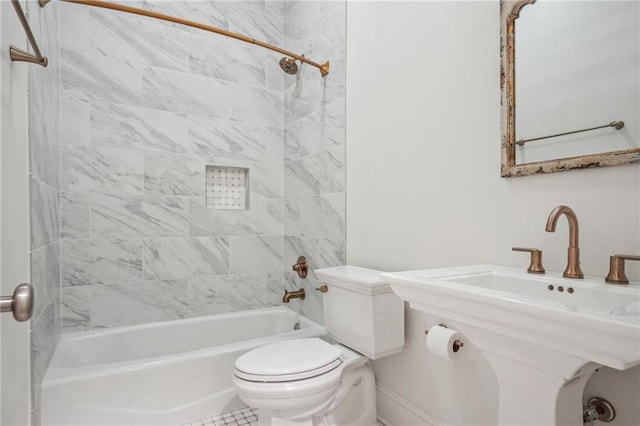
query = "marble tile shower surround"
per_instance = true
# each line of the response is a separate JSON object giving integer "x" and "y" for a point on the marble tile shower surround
{"x": 144, "y": 107}
{"x": 314, "y": 146}
{"x": 44, "y": 170}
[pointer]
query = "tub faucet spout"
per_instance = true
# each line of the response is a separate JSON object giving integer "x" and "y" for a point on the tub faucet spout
{"x": 573, "y": 258}
{"x": 288, "y": 295}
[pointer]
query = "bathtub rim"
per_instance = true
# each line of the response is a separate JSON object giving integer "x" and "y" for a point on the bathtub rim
{"x": 81, "y": 335}
{"x": 59, "y": 375}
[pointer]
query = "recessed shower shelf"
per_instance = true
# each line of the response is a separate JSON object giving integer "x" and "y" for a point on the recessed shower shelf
{"x": 227, "y": 188}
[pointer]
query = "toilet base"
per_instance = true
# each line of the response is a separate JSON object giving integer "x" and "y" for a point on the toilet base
{"x": 354, "y": 404}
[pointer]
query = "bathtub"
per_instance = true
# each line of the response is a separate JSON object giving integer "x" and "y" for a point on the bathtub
{"x": 166, "y": 373}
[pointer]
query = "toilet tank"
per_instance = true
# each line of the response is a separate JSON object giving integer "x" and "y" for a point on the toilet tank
{"x": 361, "y": 311}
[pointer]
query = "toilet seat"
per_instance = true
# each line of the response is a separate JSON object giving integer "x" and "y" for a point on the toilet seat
{"x": 301, "y": 400}
{"x": 289, "y": 360}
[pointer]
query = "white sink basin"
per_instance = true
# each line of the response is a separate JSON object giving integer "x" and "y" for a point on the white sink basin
{"x": 544, "y": 335}
{"x": 591, "y": 319}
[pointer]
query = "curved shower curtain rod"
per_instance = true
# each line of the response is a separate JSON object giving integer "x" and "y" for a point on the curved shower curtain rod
{"x": 324, "y": 68}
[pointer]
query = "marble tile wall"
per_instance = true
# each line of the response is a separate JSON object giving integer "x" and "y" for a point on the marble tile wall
{"x": 144, "y": 107}
{"x": 314, "y": 145}
{"x": 44, "y": 200}
{"x": 122, "y": 124}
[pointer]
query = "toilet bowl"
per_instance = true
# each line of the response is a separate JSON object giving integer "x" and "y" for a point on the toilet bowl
{"x": 312, "y": 382}
{"x": 305, "y": 379}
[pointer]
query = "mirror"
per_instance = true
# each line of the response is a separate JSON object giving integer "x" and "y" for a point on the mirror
{"x": 570, "y": 82}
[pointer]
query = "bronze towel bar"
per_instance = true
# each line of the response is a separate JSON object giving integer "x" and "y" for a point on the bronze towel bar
{"x": 615, "y": 124}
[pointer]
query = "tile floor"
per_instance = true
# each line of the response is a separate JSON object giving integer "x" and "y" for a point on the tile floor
{"x": 242, "y": 417}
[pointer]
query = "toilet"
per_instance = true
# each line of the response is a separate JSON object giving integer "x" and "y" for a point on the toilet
{"x": 311, "y": 382}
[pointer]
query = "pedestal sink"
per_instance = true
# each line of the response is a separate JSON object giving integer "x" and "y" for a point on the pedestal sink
{"x": 543, "y": 334}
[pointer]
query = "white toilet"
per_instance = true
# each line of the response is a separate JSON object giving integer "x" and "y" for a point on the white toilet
{"x": 311, "y": 382}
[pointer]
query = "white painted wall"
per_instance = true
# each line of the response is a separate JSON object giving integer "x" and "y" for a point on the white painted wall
{"x": 424, "y": 188}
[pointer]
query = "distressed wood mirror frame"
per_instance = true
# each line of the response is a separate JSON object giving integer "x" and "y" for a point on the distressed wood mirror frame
{"x": 509, "y": 12}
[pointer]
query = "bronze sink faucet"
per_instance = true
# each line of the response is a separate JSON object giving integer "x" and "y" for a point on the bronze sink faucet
{"x": 573, "y": 259}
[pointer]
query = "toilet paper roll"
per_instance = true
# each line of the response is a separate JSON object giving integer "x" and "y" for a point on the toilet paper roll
{"x": 440, "y": 342}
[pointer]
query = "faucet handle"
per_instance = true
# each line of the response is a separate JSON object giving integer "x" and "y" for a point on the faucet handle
{"x": 301, "y": 267}
{"x": 535, "y": 267}
{"x": 616, "y": 268}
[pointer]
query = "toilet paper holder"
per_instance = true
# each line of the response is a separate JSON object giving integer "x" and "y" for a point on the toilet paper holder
{"x": 457, "y": 344}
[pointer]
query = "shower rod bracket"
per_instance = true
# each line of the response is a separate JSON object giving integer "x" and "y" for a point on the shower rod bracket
{"x": 17, "y": 54}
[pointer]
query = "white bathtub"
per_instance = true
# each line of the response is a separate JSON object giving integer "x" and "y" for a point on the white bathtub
{"x": 166, "y": 373}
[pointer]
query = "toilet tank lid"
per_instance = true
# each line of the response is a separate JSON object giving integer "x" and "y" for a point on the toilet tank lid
{"x": 362, "y": 280}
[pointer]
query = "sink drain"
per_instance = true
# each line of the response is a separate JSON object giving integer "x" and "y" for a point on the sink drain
{"x": 599, "y": 409}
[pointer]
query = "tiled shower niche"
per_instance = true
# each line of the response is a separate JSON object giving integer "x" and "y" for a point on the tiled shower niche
{"x": 227, "y": 188}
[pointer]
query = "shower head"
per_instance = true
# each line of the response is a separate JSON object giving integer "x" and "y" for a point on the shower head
{"x": 289, "y": 65}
